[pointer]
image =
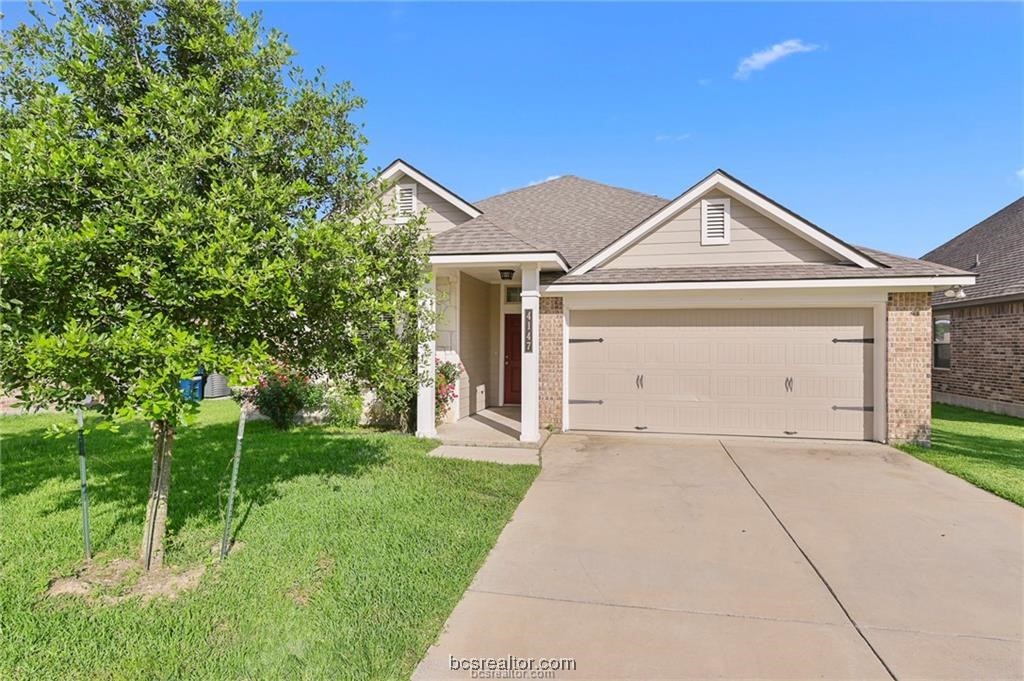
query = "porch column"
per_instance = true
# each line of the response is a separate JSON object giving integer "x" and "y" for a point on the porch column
{"x": 530, "y": 396}
{"x": 425, "y": 426}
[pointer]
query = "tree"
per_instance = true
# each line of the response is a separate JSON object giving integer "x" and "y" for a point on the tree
{"x": 174, "y": 192}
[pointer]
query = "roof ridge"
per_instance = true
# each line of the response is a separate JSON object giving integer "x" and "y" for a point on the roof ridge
{"x": 570, "y": 176}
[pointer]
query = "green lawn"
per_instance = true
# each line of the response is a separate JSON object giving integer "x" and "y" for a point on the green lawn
{"x": 984, "y": 449}
{"x": 354, "y": 548}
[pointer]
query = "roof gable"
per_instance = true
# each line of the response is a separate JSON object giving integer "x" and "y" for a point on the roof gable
{"x": 399, "y": 169}
{"x": 720, "y": 181}
{"x": 753, "y": 239}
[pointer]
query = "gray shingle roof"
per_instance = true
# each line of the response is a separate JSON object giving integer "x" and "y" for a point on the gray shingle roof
{"x": 998, "y": 243}
{"x": 569, "y": 215}
{"x": 480, "y": 235}
{"x": 577, "y": 218}
{"x": 892, "y": 266}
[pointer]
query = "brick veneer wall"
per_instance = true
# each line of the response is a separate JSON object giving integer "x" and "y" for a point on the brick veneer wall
{"x": 551, "y": 338}
{"x": 986, "y": 346}
{"x": 909, "y": 367}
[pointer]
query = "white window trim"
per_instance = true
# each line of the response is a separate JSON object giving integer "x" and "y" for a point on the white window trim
{"x": 399, "y": 188}
{"x": 705, "y": 238}
{"x": 948, "y": 316}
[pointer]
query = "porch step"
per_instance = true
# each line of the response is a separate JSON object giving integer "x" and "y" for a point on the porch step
{"x": 504, "y": 443}
{"x": 507, "y": 455}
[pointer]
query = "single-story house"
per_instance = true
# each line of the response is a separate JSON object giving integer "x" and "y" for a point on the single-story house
{"x": 979, "y": 332}
{"x": 719, "y": 311}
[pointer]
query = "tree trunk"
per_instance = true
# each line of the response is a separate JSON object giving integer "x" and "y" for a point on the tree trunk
{"x": 152, "y": 556}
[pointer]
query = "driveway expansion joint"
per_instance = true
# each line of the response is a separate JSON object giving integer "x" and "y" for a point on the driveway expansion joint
{"x": 810, "y": 562}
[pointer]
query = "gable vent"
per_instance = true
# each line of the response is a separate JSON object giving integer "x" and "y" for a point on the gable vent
{"x": 714, "y": 222}
{"x": 406, "y": 200}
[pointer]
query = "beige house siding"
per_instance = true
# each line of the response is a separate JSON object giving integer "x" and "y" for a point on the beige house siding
{"x": 909, "y": 367}
{"x": 755, "y": 240}
{"x": 441, "y": 215}
{"x": 475, "y": 327}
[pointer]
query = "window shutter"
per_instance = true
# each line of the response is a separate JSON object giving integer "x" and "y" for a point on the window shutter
{"x": 715, "y": 221}
{"x": 406, "y": 200}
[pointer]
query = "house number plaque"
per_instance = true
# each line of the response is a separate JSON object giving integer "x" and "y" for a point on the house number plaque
{"x": 528, "y": 327}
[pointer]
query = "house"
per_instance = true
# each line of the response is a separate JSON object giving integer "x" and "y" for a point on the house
{"x": 719, "y": 311}
{"x": 978, "y": 351}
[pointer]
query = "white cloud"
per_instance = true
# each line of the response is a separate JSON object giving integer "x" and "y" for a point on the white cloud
{"x": 672, "y": 138}
{"x": 546, "y": 179}
{"x": 704, "y": 82}
{"x": 764, "y": 58}
{"x": 1020, "y": 174}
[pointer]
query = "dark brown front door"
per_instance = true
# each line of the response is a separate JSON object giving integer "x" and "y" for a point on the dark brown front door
{"x": 513, "y": 359}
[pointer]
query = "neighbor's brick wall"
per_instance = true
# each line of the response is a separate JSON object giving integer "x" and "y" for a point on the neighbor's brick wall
{"x": 986, "y": 353}
{"x": 551, "y": 338}
{"x": 909, "y": 367}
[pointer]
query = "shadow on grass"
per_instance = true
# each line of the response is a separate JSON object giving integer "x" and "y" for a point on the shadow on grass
{"x": 1007, "y": 452}
{"x": 119, "y": 466}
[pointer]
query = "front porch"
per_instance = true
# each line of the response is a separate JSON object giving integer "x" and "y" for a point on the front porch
{"x": 491, "y": 427}
{"x": 486, "y": 321}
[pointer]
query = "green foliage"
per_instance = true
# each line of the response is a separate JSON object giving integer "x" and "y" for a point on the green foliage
{"x": 344, "y": 405}
{"x": 174, "y": 191}
{"x": 280, "y": 396}
{"x": 352, "y": 549}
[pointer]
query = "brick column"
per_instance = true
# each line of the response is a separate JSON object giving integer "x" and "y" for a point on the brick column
{"x": 551, "y": 339}
{"x": 909, "y": 367}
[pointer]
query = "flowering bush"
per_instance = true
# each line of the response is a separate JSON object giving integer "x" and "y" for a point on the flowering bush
{"x": 280, "y": 396}
{"x": 446, "y": 386}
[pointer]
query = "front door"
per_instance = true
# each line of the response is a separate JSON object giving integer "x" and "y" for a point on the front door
{"x": 513, "y": 359}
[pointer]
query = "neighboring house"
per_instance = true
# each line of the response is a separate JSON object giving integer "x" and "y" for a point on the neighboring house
{"x": 719, "y": 311}
{"x": 979, "y": 338}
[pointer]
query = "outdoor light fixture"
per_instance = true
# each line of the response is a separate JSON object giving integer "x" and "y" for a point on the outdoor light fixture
{"x": 955, "y": 292}
{"x": 506, "y": 274}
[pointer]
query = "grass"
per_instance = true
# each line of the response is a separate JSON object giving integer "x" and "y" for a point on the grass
{"x": 353, "y": 549}
{"x": 986, "y": 450}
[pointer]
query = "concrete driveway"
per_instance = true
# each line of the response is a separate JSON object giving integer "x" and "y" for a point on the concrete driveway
{"x": 668, "y": 557}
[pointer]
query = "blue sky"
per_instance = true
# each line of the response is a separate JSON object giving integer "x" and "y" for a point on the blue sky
{"x": 892, "y": 125}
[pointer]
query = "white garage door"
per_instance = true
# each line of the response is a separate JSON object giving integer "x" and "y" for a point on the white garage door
{"x": 778, "y": 372}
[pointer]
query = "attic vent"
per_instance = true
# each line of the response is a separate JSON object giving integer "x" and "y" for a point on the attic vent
{"x": 714, "y": 222}
{"x": 406, "y": 200}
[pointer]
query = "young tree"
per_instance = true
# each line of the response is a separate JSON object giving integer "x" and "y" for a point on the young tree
{"x": 174, "y": 192}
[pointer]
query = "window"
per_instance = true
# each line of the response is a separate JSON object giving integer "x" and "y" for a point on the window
{"x": 513, "y": 294}
{"x": 714, "y": 222}
{"x": 406, "y": 200}
{"x": 940, "y": 341}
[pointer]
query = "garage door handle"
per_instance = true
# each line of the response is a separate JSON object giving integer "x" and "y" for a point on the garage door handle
{"x": 641, "y": 381}
{"x": 637, "y": 381}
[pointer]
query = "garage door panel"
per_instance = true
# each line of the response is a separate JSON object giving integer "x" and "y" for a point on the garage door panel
{"x": 694, "y": 354}
{"x": 724, "y": 371}
{"x": 729, "y": 387}
{"x": 604, "y": 415}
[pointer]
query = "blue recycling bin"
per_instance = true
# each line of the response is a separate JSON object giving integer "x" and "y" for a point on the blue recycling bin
{"x": 191, "y": 389}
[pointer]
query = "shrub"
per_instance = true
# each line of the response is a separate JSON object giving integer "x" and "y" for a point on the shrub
{"x": 280, "y": 396}
{"x": 344, "y": 406}
{"x": 446, "y": 386}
